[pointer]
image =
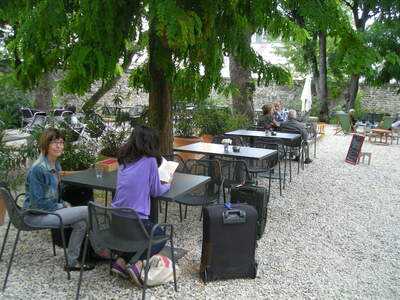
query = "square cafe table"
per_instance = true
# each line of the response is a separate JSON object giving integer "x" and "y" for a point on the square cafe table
{"x": 280, "y": 137}
{"x": 181, "y": 184}
{"x": 218, "y": 149}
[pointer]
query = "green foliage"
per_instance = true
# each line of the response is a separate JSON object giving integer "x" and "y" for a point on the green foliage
{"x": 111, "y": 141}
{"x": 77, "y": 157}
{"x": 11, "y": 99}
{"x": 214, "y": 120}
{"x": 385, "y": 37}
{"x": 358, "y": 114}
{"x": 211, "y": 119}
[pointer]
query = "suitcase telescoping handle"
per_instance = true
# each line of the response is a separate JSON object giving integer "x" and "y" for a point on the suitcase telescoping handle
{"x": 234, "y": 216}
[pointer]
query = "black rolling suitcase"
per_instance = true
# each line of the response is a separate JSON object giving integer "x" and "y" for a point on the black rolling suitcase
{"x": 255, "y": 196}
{"x": 229, "y": 242}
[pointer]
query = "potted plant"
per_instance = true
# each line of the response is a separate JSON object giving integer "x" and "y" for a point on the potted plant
{"x": 184, "y": 129}
{"x": 211, "y": 121}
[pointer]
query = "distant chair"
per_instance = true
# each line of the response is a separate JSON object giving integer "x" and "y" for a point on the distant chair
{"x": 39, "y": 121}
{"x": 387, "y": 122}
{"x": 208, "y": 193}
{"x": 26, "y": 116}
{"x": 344, "y": 124}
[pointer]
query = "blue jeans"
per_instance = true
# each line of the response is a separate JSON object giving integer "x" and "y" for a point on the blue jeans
{"x": 156, "y": 248}
{"x": 74, "y": 217}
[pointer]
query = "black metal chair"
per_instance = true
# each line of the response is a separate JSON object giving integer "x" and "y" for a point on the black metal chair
{"x": 181, "y": 169}
{"x": 26, "y": 116}
{"x": 266, "y": 167}
{"x": 297, "y": 146}
{"x": 208, "y": 193}
{"x": 234, "y": 172}
{"x": 17, "y": 218}
{"x": 39, "y": 121}
{"x": 121, "y": 229}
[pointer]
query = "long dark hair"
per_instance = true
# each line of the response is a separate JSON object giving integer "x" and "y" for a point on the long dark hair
{"x": 144, "y": 141}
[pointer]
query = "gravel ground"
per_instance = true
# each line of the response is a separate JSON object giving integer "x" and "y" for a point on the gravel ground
{"x": 333, "y": 234}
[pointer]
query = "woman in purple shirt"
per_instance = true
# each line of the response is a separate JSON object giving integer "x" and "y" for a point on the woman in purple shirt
{"x": 137, "y": 181}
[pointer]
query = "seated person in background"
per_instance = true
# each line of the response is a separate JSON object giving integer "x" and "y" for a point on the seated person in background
{"x": 42, "y": 186}
{"x": 292, "y": 124}
{"x": 267, "y": 120}
{"x": 353, "y": 120}
{"x": 137, "y": 181}
{"x": 279, "y": 114}
{"x": 396, "y": 125}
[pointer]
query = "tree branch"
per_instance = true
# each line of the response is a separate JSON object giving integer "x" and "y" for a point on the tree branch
{"x": 109, "y": 84}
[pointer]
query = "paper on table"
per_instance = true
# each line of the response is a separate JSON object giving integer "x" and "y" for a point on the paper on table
{"x": 167, "y": 169}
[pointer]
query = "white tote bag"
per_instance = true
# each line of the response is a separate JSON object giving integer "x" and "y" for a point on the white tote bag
{"x": 160, "y": 271}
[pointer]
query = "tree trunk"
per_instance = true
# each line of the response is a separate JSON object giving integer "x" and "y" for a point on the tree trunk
{"x": 242, "y": 101}
{"x": 160, "y": 96}
{"x": 352, "y": 91}
{"x": 44, "y": 93}
{"x": 323, "y": 86}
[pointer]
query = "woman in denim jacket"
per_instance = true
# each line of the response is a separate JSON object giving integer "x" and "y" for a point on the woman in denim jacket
{"x": 42, "y": 192}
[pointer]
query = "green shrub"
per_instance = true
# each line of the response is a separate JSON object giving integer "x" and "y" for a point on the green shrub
{"x": 11, "y": 99}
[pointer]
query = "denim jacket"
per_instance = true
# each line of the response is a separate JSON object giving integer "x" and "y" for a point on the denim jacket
{"x": 42, "y": 186}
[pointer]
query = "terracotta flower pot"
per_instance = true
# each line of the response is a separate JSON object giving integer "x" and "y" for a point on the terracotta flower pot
{"x": 182, "y": 141}
{"x": 207, "y": 138}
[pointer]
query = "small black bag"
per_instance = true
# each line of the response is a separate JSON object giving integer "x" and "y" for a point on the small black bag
{"x": 255, "y": 196}
{"x": 229, "y": 242}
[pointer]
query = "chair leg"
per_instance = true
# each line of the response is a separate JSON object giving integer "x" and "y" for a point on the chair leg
{"x": 180, "y": 212}
{"x": 65, "y": 251}
{"x": 160, "y": 206}
{"x": 166, "y": 211}
{"x": 146, "y": 272}
{"x": 280, "y": 178}
{"x": 290, "y": 165}
{"x": 11, "y": 260}
{"x": 54, "y": 244}
{"x": 111, "y": 261}
{"x": 186, "y": 211}
{"x": 173, "y": 259}
{"x": 83, "y": 263}
{"x": 269, "y": 185}
{"x": 5, "y": 240}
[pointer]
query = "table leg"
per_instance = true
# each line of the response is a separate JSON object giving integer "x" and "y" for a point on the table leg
{"x": 154, "y": 210}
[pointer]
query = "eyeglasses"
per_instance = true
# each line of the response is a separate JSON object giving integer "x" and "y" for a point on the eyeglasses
{"x": 59, "y": 143}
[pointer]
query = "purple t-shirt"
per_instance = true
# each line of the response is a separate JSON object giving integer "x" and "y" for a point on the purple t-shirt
{"x": 136, "y": 183}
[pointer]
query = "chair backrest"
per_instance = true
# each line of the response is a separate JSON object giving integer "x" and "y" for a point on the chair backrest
{"x": 271, "y": 145}
{"x": 38, "y": 120}
{"x": 387, "y": 122}
{"x": 207, "y": 167}
{"x": 177, "y": 158}
{"x": 26, "y": 112}
{"x": 235, "y": 170}
{"x": 118, "y": 228}
{"x": 217, "y": 139}
{"x": 13, "y": 210}
{"x": 344, "y": 121}
{"x": 57, "y": 112}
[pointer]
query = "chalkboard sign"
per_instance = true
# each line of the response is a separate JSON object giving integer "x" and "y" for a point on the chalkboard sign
{"x": 354, "y": 149}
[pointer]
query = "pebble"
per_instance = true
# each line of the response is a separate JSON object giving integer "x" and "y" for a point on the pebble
{"x": 333, "y": 234}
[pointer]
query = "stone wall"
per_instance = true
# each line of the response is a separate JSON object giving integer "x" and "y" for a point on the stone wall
{"x": 383, "y": 99}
